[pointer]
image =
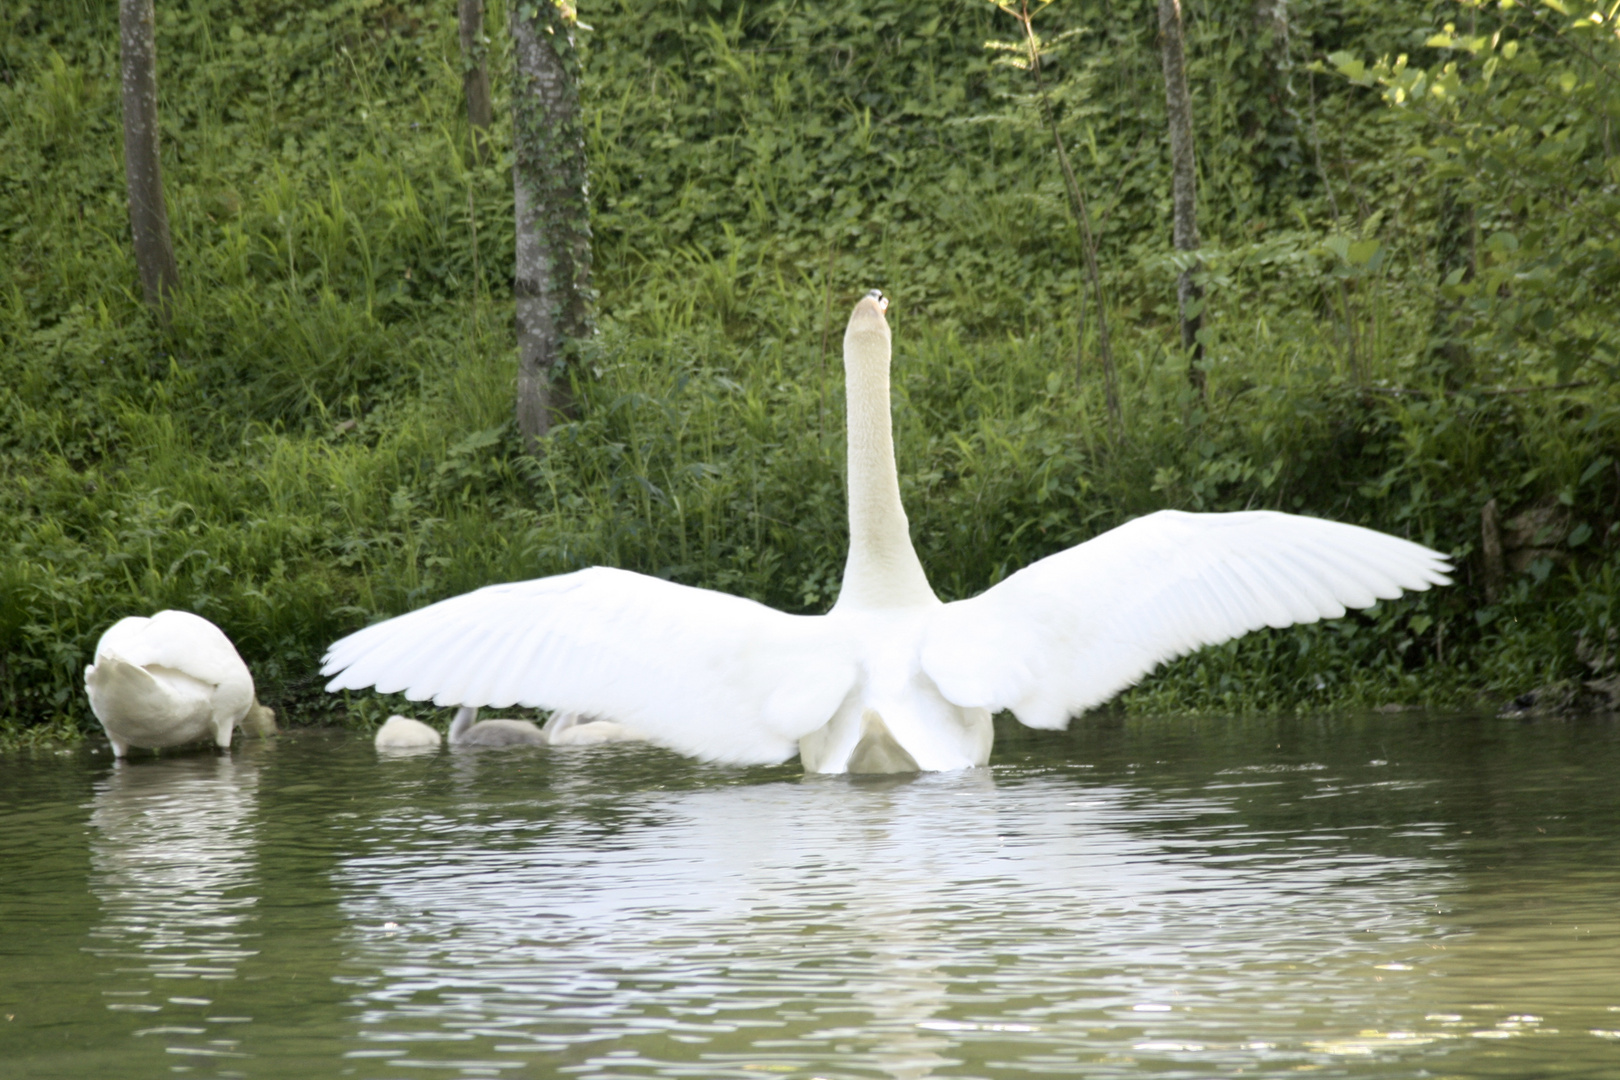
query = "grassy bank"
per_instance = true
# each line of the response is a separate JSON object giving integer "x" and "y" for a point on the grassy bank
{"x": 323, "y": 436}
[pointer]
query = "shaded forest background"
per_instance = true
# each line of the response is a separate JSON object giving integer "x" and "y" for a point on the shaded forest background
{"x": 1410, "y": 216}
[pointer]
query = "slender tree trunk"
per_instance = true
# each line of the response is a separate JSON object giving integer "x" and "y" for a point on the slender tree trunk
{"x": 1082, "y": 217}
{"x": 553, "y": 273}
{"x": 143, "y": 173}
{"x": 475, "y": 74}
{"x": 1271, "y": 22}
{"x": 1184, "y": 179}
{"x": 1352, "y": 357}
{"x": 1490, "y": 549}
{"x": 1269, "y": 117}
{"x": 1272, "y": 15}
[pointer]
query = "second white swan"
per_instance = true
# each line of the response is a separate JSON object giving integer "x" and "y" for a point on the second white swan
{"x": 168, "y": 680}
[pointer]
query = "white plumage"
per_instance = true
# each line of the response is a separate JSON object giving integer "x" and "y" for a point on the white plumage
{"x": 606, "y": 642}
{"x": 404, "y": 733}
{"x": 1084, "y": 624}
{"x": 890, "y": 679}
{"x": 575, "y": 729}
{"x": 172, "y": 679}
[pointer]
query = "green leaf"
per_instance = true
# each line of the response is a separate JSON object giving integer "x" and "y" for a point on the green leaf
{"x": 1361, "y": 252}
{"x": 1350, "y": 67}
{"x": 1596, "y": 467}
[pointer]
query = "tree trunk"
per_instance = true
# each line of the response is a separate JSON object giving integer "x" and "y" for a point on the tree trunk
{"x": 1088, "y": 242}
{"x": 1271, "y": 23}
{"x": 1490, "y": 546}
{"x": 1268, "y": 117}
{"x": 475, "y": 74}
{"x": 143, "y": 173}
{"x": 1184, "y": 174}
{"x": 1272, "y": 16}
{"x": 553, "y": 273}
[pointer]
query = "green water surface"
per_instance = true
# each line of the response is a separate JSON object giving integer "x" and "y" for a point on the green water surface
{"x": 1391, "y": 896}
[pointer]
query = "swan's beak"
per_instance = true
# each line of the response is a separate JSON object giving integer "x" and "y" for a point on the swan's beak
{"x": 877, "y": 297}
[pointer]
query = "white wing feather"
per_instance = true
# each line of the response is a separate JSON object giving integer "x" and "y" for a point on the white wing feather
{"x": 1076, "y": 628}
{"x": 706, "y": 674}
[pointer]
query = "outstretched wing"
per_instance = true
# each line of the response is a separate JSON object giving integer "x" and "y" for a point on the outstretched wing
{"x": 702, "y": 673}
{"x": 1075, "y": 628}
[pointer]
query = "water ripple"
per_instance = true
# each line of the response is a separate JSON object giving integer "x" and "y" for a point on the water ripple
{"x": 1158, "y": 900}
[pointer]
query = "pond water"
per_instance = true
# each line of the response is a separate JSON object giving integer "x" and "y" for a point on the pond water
{"x": 1387, "y": 896}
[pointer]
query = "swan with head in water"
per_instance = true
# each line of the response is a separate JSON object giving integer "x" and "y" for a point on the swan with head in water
{"x": 406, "y": 733}
{"x": 891, "y": 679}
{"x": 496, "y": 732}
{"x": 172, "y": 679}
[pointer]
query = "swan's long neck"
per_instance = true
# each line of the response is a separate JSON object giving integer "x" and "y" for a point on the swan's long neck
{"x": 463, "y": 720}
{"x": 882, "y": 569}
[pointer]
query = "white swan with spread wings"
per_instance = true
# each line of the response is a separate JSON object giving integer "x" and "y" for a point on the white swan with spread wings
{"x": 891, "y": 679}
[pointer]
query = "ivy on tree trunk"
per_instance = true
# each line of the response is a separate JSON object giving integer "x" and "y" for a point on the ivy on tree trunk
{"x": 553, "y": 274}
{"x": 1184, "y": 180}
{"x": 1267, "y": 116}
{"x": 143, "y": 173}
{"x": 475, "y": 74}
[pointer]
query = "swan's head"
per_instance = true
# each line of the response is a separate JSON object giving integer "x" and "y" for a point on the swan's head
{"x": 259, "y": 722}
{"x": 868, "y": 329}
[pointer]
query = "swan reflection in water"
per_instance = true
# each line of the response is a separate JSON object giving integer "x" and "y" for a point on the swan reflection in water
{"x": 173, "y": 865}
{"x": 898, "y": 926}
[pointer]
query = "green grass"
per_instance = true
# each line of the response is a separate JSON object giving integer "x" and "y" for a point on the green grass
{"x": 324, "y": 436}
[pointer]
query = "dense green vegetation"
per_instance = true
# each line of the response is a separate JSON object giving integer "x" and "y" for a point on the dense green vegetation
{"x": 1411, "y": 215}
